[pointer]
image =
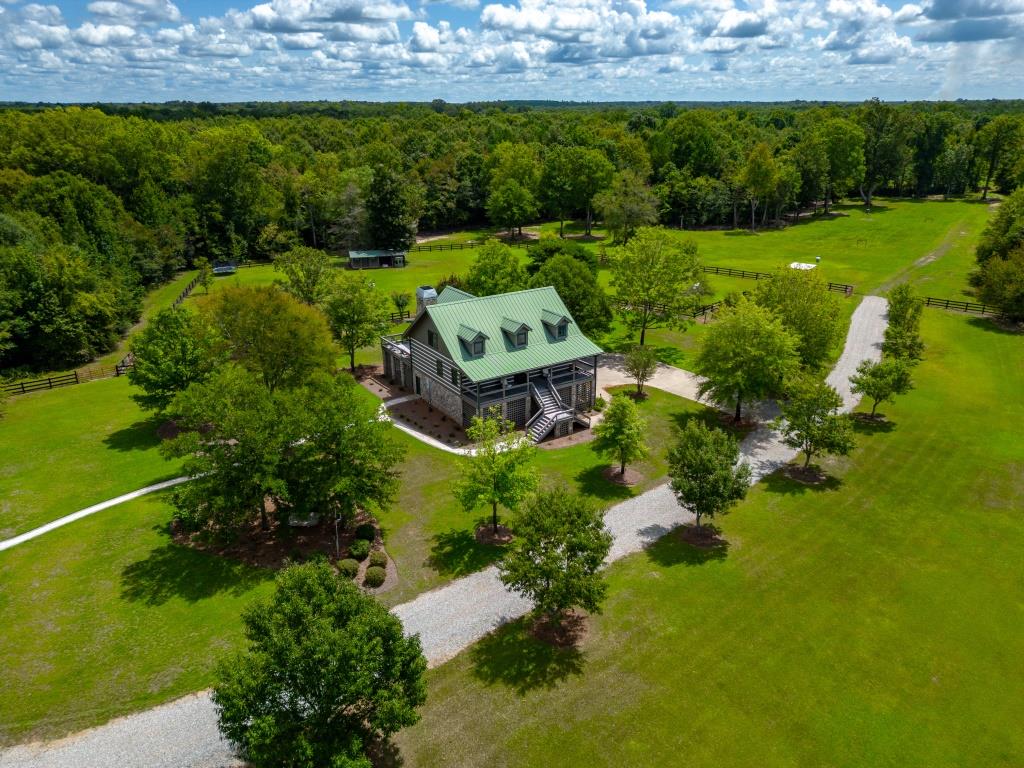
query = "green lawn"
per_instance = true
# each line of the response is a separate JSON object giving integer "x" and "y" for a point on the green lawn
{"x": 867, "y": 250}
{"x": 106, "y": 616}
{"x": 110, "y": 609}
{"x": 874, "y": 621}
{"x": 68, "y": 448}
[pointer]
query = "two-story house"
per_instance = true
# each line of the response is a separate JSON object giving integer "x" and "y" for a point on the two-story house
{"x": 520, "y": 351}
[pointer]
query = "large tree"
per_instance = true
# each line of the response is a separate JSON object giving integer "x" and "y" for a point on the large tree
{"x": 325, "y": 673}
{"x": 843, "y": 142}
{"x": 811, "y": 421}
{"x": 511, "y": 205}
{"x": 584, "y": 297}
{"x": 621, "y": 434}
{"x": 308, "y": 273}
{"x": 500, "y": 469}
{"x": 640, "y": 363}
{"x": 886, "y": 136}
{"x": 391, "y": 212}
{"x": 706, "y": 475}
{"x": 802, "y": 301}
{"x": 556, "y": 560}
{"x": 626, "y": 205}
{"x": 496, "y": 269}
{"x": 1004, "y": 232}
{"x": 233, "y": 440}
{"x": 758, "y": 177}
{"x": 344, "y": 457}
{"x": 271, "y": 333}
{"x": 175, "y": 349}
{"x": 357, "y": 312}
{"x": 656, "y": 279}
{"x": 1001, "y": 283}
{"x": 996, "y": 141}
{"x": 747, "y": 354}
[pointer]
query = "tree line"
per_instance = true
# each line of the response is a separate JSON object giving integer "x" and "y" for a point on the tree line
{"x": 95, "y": 207}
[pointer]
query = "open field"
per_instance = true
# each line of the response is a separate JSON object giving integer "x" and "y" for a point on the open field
{"x": 874, "y": 621}
{"x": 110, "y": 603}
{"x": 68, "y": 448}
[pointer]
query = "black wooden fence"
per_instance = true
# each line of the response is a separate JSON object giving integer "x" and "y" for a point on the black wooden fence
{"x": 398, "y": 317}
{"x": 957, "y": 305}
{"x": 461, "y": 246}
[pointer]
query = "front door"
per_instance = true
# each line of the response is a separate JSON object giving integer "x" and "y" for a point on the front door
{"x": 418, "y": 392}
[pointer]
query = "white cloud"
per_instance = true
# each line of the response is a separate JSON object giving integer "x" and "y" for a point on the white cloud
{"x": 104, "y": 34}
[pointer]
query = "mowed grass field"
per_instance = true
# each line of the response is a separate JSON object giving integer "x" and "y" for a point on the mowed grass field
{"x": 107, "y": 615}
{"x": 874, "y": 621}
{"x": 69, "y": 448}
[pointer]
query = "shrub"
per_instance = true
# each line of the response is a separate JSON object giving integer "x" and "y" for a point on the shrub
{"x": 600, "y": 403}
{"x": 374, "y": 576}
{"x": 378, "y": 558}
{"x": 348, "y": 567}
{"x": 359, "y": 549}
{"x": 366, "y": 531}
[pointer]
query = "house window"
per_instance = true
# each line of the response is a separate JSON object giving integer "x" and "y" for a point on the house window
{"x": 455, "y": 377}
{"x": 521, "y": 339}
{"x": 440, "y": 368}
{"x": 478, "y": 347}
{"x": 431, "y": 339}
{"x": 562, "y": 330}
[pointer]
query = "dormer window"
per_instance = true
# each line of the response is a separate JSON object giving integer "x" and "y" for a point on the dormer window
{"x": 472, "y": 340}
{"x": 517, "y": 332}
{"x": 556, "y": 323}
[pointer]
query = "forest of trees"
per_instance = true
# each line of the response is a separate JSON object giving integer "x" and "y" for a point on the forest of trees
{"x": 99, "y": 204}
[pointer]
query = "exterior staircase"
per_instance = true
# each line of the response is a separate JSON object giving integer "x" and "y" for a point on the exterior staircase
{"x": 552, "y": 411}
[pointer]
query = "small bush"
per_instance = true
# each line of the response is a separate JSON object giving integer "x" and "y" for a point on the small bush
{"x": 600, "y": 403}
{"x": 375, "y": 576}
{"x": 366, "y": 532}
{"x": 348, "y": 567}
{"x": 378, "y": 558}
{"x": 359, "y": 549}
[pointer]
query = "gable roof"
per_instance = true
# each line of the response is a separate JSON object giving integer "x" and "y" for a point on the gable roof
{"x": 554, "y": 318}
{"x": 451, "y": 293}
{"x": 501, "y": 357}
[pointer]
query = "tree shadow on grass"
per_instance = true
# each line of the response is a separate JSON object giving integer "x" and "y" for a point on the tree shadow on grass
{"x": 992, "y": 325}
{"x": 512, "y": 657}
{"x": 172, "y": 570}
{"x": 592, "y": 482}
{"x": 712, "y": 418}
{"x": 140, "y": 436}
{"x": 385, "y": 754}
{"x": 778, "y": 482}
{"x": 863, "y": 424}
{"x": 672, "y": 549}
{"x": 457, "y": 553}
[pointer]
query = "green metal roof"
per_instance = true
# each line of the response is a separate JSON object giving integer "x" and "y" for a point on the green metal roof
{"x": 451, "y": 293}
{"x": 501, "y": 358}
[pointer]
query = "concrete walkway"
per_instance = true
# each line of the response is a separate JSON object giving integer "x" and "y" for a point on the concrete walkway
{"x": 183, "y": 733}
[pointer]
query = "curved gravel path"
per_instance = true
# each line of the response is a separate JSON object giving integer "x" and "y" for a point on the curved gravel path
{"x": 183, "y": 733}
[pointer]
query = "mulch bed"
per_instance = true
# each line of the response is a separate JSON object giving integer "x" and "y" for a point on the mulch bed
{"x": 367, "y": 371}
{"x": 612, "y": 475}
{"x": 812, "y": 475}
{"x": 267, "y": 549}
{"x": 422, "y": 417}
{"x": 168, "y": 430}
{"x": 867, "y": 418}
{"x": 705, "y": 537}
{"x": 485, "y": 535}
{"x": 567, "y": 633}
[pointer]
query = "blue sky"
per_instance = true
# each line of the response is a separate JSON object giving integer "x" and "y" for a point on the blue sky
{"x": 461, "y": 50}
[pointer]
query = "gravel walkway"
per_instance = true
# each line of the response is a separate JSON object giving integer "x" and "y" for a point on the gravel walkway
{"x": 183, "y": 733}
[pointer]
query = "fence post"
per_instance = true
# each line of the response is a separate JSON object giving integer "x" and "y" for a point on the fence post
{"x": 76, "y": 377}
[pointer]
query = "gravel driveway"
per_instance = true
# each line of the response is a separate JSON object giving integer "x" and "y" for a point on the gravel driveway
{"x": 183, "y": 733}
